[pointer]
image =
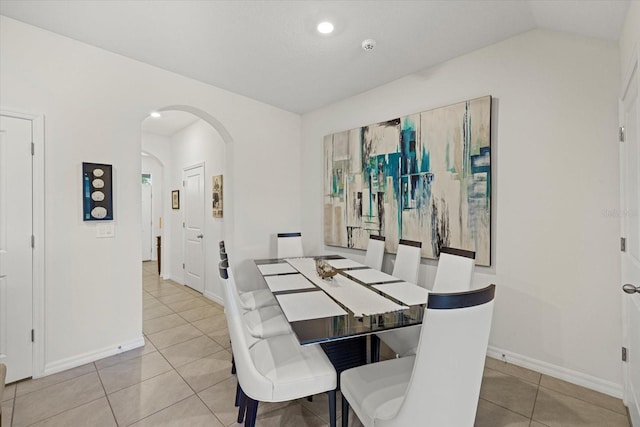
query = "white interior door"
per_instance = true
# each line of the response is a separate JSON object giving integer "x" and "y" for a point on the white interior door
{"x": 194, "y": 227}
{"x": 16, "y": 252}
{"x": 147, "y": 223}
{"x": 630, "y": 186}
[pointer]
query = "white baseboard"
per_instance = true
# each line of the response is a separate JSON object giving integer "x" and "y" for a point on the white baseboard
{"x": 574, "y": 377}
{"x": 214, "y": 297}
{"x": 91, "y": 356}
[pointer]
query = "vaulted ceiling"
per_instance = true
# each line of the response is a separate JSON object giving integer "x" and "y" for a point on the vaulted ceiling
{"x": 271, "y": 51}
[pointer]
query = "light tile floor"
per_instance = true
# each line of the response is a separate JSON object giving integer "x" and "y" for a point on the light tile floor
{"x": 181, "y": 377}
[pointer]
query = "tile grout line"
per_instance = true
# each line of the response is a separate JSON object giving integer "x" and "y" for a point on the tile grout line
{"x": 106, "y": 395}
{"x": 187, "y": 382}
{"x": 567, "y": 394}
{"x": 587, "y": 402}
{"x": 59, "y": 413}
{"x": 505, "y": 408}
{"x": 535, "y": 401}
{"x": 13, "y": 406}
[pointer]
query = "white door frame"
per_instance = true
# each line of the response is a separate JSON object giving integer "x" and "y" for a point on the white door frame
{"x": 631, "y": 77}
{"x": 38, "y": 197}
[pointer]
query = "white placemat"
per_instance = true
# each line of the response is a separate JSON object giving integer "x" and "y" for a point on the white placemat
{"x": 308, "y": 305}
{"x": 357, "y": 298}
{"x": 344, "y": 263}
{"x": 406, "y": 292}
{"x": 287, "y": 282}
{"x": 371, "y": 276}
{"x": 279, "y": 268}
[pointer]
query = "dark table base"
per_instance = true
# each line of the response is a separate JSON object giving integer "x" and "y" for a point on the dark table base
{"x": 347, "y": 353}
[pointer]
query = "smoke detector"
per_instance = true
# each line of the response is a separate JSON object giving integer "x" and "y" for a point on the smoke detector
{"x": 368, "y": 45}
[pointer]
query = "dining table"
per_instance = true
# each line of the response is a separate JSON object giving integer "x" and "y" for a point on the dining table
{"x": 342, "y": 313}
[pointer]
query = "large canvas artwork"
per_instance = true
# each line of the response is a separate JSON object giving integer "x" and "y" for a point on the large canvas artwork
{"x": 424, "y": 177}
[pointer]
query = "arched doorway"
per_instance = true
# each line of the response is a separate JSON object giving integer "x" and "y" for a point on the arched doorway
{"x": 202, "y": 143}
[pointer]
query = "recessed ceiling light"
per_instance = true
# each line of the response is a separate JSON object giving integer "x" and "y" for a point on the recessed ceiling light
{"x": 325, "y": 27}
{"x": 155, "y": 115}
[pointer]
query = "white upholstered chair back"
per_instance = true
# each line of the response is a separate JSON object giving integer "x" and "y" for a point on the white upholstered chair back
{"x": 252, "y": 382}
{"x": 454, "y": 274}
{"x": 290, "y": 245}
{"x": 375, "y": 252}
{"x": 407, "y": 261}
{"x": 445, "y": 383}
{"x": 455, "y": 270}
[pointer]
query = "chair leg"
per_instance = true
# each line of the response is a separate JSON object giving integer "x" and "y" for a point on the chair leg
{"x": 375, "y": 348}
{"x": 332, "y": 408}
{"x": 242, "y": 407}
{"x": 345, "y": 412}
{"x": 233, "y": 366}
{"x": 238, "y": 396}
{"x": 309, "y": 398}
{"x": 252, "y": 413}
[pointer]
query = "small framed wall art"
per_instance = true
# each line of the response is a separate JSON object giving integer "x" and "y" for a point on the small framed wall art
{"x": 216, "y": 196}
{"x": 175, "y": 199}
{"x": 97, "y": 192}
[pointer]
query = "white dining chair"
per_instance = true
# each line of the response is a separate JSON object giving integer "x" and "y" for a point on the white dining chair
{"x": 407, "y": 261}
{"x": 440, "y": 385}
{"x": 375, "y": 252}
{"x": 262, "y": 322}
{"x": 275, "y": 369}
{"x": 455, "y": 270}
{"x": 454, "y": 274}
{"x": 290, "y": 245}
{"x": 406, "y": 267}
{"x": 254, "y": 299}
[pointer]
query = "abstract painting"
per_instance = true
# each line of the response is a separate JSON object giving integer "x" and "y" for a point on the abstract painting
{"x": 424, "y": 177}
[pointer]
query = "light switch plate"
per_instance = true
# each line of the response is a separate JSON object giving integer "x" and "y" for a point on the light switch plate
{"x": 105, "y": 230}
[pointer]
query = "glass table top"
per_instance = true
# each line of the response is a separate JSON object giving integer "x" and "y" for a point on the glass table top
{"x": 318, "y": 309}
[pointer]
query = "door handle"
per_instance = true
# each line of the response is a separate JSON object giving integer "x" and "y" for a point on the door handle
{"x": 199, "y": 236}
{"x": 630, "y": 289}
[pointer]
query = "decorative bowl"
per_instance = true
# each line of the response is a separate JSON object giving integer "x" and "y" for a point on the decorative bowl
{"x": 325, "y": 270}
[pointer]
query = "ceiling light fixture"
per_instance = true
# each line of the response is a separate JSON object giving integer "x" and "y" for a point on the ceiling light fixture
{"x": 325, "y": 27}
{"x": 155, "y": 115}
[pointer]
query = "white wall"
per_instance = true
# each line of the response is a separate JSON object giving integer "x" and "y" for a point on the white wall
{"x": 555, "y": 176}
{"x": 151, "y": 165}
{"x": 94, "y": 103}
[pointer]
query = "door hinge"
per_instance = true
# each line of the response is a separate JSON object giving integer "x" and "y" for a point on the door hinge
{"x": 33, "y": 241}
{"x": 183, "y": 265}
{"x": 33, "y": 149}
{"x": 624, "y": 354}
{"x": 623, "y": 244}
{"x": 183, "y": 225}
{"x": 184, "y": 183}
{"x": 621, "y": 133}
{"x": 33, "y": 336}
